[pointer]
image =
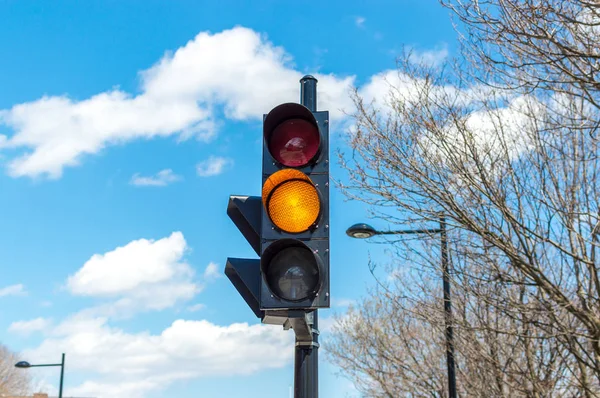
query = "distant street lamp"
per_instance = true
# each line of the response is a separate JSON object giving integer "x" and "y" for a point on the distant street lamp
{"x": 363, "y": 231}
{"x": 25, "y": 364}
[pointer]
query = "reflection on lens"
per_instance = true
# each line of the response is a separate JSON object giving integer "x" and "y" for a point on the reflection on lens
{"x": 293, "y": 274}
{"x": 294, "y": 143}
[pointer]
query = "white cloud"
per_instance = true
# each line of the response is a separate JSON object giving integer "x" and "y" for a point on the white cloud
{"x": 125, "y": 365}
{"x": 398, "y": 274}
{"x": 379, "y": 86}
{"x": 160, "y": 179}
{"x": 13, "y": 290}
{"x": 212, "y": 272}
{"x": 60, "y": 130}
{"x": 382, "y": 89}
{"x": 121, "y": 388}
{"x": 433, "y": 57}
{"x": 237, "y": 69}
{"x": 360, "y": 21}
{"x": 342, "y": 302}
{"x": 213, "y": 166}
{"x": 196, "y": 307}
{"x": 153, "y": 297}
{"x": 390, "y": 86}
{"x": 493, "y": 130}
{"x": 27, "y": 327}
{"x": 497, "y": 135}
{"x": 144, "y": 273}
{"x": 326, "y": 324}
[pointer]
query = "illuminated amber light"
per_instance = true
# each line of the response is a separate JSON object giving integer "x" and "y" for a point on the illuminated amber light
{"x": 291, "y": 200}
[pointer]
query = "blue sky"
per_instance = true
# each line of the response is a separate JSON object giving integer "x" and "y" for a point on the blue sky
{"x": 124, "y": 127}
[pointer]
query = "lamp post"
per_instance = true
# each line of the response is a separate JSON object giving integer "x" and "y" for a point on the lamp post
{"x": 25, "y": 364}
{"x": 363, "y": 231}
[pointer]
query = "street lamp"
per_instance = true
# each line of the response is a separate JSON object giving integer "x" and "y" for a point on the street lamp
{"x": 25, "y": 364}
{"x": 363, "y": 231}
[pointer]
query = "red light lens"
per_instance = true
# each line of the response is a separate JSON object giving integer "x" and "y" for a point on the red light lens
{"x": 295, "y": 142}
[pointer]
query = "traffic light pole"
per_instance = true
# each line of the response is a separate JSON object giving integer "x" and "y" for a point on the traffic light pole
{"x": 306, "y": 360}
{"x": 306, "y": 364}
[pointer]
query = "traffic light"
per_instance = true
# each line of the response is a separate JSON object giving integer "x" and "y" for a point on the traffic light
{"x": 288, "y": 228}
{"x": 288, "y": 225}
{"x": 294, "y": 230}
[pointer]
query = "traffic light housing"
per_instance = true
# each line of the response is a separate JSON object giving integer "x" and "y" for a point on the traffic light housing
{"x": 288, "y": 228}
{"x": 288, "y": 225}
{"x": 294, "y": 231}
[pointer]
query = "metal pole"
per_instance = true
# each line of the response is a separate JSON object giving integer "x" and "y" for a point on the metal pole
{"x": 308, "y": 92}
{"x": 448, "y": 313}
{"x": 62, "y": 375}
{"x": 306, "y": 361}
{"x": 306, "y": 365}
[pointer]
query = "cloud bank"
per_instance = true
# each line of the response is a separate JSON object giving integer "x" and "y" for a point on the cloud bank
{"x": 237, "y": 70}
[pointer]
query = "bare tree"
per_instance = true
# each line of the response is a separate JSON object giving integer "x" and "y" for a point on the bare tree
{"x": 13, "y": 381}
{"x": 392, "y": 344}
{"x": 504, "y": 143}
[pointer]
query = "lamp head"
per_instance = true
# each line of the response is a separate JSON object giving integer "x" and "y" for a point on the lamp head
{"x": 361, "y": 231}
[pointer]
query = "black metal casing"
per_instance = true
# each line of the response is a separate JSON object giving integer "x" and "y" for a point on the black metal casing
{"x": 317, "y": 237}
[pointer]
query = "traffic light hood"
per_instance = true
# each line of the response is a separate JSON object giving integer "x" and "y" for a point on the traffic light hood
{"x": 283, "y": 112}
{"x": 291, "y": 134}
